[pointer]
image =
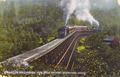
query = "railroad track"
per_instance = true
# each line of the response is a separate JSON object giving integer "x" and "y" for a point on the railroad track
{"x": 63, "y": 55}
{"x": 59, "y": 52}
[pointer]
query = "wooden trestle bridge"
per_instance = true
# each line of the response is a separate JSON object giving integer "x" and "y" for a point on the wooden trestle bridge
{"x": 57, "y": 52}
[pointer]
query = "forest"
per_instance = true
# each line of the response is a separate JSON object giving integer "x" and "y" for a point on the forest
{"x": 30, "y": 25}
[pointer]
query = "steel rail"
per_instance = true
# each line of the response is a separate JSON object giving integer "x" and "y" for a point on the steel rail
{"x": 66, "y": 51}
{"x": 71, "y": 55}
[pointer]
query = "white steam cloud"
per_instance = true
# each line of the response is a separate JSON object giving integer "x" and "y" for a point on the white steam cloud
{"x": 80, "y": 8}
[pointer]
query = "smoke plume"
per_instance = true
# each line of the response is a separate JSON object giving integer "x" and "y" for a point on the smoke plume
{"x": 80, "y": 8}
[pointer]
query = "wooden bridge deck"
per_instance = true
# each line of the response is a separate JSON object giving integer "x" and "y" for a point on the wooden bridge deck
{"x": 34, "y": 54}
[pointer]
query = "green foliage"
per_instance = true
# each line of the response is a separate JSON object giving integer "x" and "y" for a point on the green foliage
{"x": 26, "y": 27}
{"x": 15, "y": 40}
{"x": 98, "y": 59}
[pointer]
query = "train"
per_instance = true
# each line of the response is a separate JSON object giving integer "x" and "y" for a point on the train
{"x": 64, "y": 31}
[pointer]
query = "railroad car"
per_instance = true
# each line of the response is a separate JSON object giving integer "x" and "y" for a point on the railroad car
{"x": 82, "y": 28}
{"x": 71, "y": 29}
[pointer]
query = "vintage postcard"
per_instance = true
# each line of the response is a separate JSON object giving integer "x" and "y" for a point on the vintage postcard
{"x": 59, "y": 38}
